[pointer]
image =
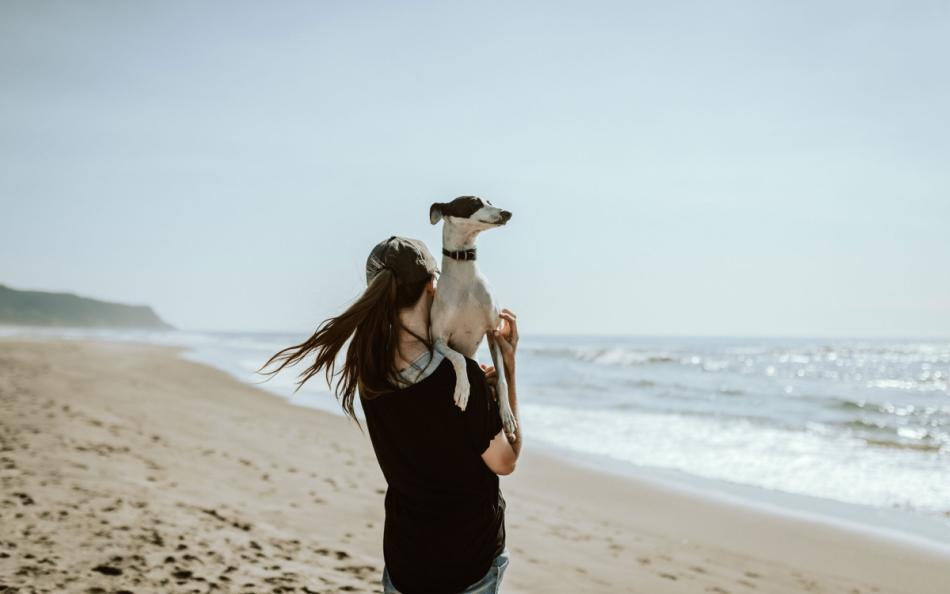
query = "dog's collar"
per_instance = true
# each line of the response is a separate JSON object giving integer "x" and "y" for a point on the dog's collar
{"x": 468, "y": 254}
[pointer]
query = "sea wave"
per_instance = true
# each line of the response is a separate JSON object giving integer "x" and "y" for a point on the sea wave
{"x": 606, "y": 356}
{"x": 822, "y": 464}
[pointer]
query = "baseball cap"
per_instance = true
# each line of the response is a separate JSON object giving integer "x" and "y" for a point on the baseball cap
{"x": 409, "y": 259}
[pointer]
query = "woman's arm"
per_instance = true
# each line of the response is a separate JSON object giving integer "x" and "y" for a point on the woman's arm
{"x": 503, "y": 452}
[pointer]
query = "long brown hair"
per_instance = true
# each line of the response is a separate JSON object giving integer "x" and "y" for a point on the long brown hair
{"x": 373, "y": 321}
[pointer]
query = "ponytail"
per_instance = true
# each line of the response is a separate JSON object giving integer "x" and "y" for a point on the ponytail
{"x": 373, "y": 322}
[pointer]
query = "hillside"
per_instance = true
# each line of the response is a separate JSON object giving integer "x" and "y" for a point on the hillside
{"x": 39, "y": 308}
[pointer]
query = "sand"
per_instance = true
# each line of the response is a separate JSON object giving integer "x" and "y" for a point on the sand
{"x": 127, "y": 469}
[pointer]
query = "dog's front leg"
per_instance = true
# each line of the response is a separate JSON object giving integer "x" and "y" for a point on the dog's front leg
{"x": 504, "y": 404}
{"x": 462, "y": 387}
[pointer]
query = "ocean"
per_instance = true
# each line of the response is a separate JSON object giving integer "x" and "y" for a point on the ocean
{"x": 855, "y": 430}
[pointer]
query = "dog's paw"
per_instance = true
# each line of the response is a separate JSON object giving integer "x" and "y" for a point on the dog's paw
{"x": 509, "y": 423}
{"x": 462, "y": 390}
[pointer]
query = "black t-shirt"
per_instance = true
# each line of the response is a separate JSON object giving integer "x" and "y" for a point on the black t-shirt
{"x": 445, "y": 515}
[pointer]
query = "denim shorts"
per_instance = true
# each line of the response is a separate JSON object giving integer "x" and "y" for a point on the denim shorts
{"x": 489, "y": 584}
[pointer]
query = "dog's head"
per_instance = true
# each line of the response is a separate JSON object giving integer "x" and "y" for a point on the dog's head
{"x": 469, "y": 211}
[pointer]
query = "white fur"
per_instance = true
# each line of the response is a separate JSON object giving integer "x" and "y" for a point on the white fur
{"x": 465, "y": 310}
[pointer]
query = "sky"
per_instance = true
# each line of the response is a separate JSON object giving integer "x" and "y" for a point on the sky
{"x": 674, "y": 168}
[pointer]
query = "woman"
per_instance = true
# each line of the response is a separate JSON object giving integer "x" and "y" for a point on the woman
{"x": 445, "y": 527}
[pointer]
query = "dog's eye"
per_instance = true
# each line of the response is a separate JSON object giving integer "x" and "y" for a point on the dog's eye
{"x": 489, "y": 202}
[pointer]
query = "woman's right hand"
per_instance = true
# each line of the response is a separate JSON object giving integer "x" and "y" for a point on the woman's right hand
{"x": 507, "y": 339}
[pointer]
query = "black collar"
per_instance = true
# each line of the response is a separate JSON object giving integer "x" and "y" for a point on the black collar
{"x": 468, "y": 254}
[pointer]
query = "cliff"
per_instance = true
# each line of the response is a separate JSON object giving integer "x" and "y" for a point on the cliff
{"x": 39, "y": 308}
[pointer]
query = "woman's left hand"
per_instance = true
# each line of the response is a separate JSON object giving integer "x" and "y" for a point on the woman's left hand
{"x": 491, "y": 377}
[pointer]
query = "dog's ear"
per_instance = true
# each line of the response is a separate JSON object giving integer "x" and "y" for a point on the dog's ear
{"x": 435, "y": 212}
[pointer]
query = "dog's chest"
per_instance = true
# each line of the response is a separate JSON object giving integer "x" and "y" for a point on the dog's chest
{"x": 465, "y": 306}
{"x": 463, "y": 314}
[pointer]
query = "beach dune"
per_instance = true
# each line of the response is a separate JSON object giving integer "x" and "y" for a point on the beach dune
{"x": 125, "y": 468}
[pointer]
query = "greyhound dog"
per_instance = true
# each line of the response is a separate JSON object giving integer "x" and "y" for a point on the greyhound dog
{"x": 464, "y": 309}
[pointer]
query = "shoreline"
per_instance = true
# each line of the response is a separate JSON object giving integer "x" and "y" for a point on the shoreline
{"x": 238, "y": 353}
{"x": 905, "y": 527}
{"x": 929, "y": 531}
{"x": 194, "y": 443}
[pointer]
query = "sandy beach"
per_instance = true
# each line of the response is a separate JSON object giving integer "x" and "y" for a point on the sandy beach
{"x": 127, "y": 469}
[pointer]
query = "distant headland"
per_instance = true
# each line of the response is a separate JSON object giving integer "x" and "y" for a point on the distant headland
{"x": 40, "y": 308}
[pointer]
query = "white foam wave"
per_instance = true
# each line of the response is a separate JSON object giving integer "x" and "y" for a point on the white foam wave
{"x": 815, "y": 462}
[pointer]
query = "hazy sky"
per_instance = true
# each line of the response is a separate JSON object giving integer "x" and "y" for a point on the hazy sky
{"x": 737, "y": 168}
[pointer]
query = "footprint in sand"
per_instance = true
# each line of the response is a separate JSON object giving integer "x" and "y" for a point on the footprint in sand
{"x": 107, "y": 570}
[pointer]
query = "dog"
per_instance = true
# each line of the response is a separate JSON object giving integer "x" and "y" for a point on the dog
{"x": 464, "y": 309}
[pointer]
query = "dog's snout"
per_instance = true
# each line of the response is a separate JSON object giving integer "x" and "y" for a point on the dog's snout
{"x": 505, "y": 215}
